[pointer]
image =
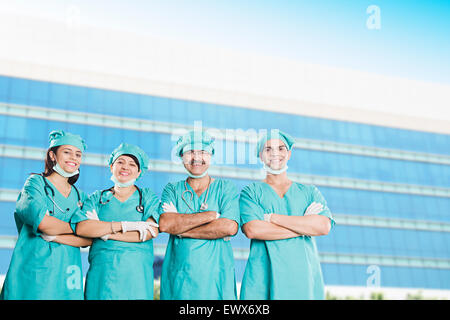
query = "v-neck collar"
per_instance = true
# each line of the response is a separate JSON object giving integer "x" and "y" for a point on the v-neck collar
{"x": 55, "y": 188}
{"x": 122, "y": 202}
{"x": 273, "y": 190}
{"x": 193, "y": 191}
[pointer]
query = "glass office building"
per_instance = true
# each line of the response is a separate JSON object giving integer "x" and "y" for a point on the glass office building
{"x": 388, "y": 188}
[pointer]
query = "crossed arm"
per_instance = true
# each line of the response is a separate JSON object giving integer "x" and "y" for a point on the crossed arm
{"x": 52, "y": 226}
{"x": 284, "y": 227}
{"x": 200, "y": 225}
{"x": 96, "y": 229}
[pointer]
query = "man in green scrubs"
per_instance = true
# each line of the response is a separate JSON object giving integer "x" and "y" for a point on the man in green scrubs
{"x": 200, "y": 213}
{"x": 282, "y": 217}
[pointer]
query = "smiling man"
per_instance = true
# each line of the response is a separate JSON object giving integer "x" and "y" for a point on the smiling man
{"x": 282, "y": 218}
{"x": 200, "y": 213}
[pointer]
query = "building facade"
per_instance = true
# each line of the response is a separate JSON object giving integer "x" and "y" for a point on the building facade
{"x": 388, "y": 188}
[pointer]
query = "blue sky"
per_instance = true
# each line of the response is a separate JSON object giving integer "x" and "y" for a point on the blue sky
{"x": 413, "y": 41}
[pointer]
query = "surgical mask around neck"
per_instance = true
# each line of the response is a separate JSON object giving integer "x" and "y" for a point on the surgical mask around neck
{"x": 275, "y": 172}
{"x": 63, "y": 173}
{"x": 117, "y": 183}
{"x": 194, "y": 176}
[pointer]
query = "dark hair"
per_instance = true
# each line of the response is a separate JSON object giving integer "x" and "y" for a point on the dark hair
{"x": 134, "y": 159}
{"x": 49, "y": 164}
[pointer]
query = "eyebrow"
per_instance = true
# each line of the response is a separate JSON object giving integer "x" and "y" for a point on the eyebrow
{"x": 126, "y": 160}
{"x": 69, "y": 149}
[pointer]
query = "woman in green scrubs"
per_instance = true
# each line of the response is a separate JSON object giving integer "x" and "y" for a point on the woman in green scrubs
{"x": 122, "y": 220}
{"x": 46, "y": 262}
{"x": 200, "y": 213}
{"x": 282, "y": 217}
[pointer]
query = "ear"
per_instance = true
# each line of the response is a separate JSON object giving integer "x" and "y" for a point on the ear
{"x": 52, "y": 156}
{"x": 289, "y": 154}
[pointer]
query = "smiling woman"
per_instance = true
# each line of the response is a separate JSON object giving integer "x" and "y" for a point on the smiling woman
{"x": 64, "y": 160}
{"x": 47, "y": 247}
{"x": 128, "y": 215}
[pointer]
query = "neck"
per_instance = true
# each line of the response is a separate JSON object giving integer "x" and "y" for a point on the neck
{"x": 125, "y": 190}
{"x": 277, "y": 178}
{"x": 58, "y": 179}
{"x": 199, "y": 182}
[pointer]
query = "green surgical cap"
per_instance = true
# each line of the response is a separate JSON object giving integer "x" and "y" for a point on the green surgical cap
{"x": 195, "y": 140}
{"x": 125, "y": 149}
{"x": 59, "y": 138}
{"x": 274, "y": 134}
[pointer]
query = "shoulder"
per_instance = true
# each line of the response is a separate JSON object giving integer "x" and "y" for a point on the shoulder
{"x": 174, "y": 185}
{"x": 172, "y": 188}
{"x": 309, "y": 190}
{"x": 254, "y": 186}
{"x": 148, "y": 193}
{"x": 83, "y": 195}
{"x": 34, "y": 179}
{"x": 254, "y": 189}
{"x": 225, "y": 184}
{"x": 95, "y": 194}
{"x": 304, "y": 187}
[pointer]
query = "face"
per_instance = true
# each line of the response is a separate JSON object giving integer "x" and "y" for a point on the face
{"x": 125, "y": 169}
{"x": 196, "y": 161}
{"x": 275, "y": 154}
{"x": 68, "y": 157}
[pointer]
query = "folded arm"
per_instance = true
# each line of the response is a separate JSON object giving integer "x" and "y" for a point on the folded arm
{"x": 134, "y": 236}
{"x": 216, "y": 229}
{"x": 73, "y": 240}
{"x": 54, "y": 226}
{"x": 311, "y": 225}
{"x": 96, "y": 228}
{"x": 262, "y": 230}
{"x": 179, "y": 223}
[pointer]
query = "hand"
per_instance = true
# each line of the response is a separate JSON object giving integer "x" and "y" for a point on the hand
{"x": 48, "y": 238}
{"x": 314, "y": 208}
{"x": 141, "y": 226}
{"x": 267, "y": 217}
{"x": 169, "y": 207}
{"x": 92, "y": 215}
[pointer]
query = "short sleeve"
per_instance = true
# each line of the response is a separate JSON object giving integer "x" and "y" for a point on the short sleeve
{"x": 316, "y": 196}
{"x": 151, "y": 205}
{"x": 168, "y": 195}
{"x": 90, "y": 204}
{"x": 249, "y": 206}
{"x": 78, "y": 211}
{"x": 31, "y": 206}
{"x": 229, "y": 202}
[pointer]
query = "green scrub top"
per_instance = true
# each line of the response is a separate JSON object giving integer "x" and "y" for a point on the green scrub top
{"x": 120, "y": 270}
{"x": 199, "y": 269}
{"x": 41, "y": 270}
{"x": 281, "y": 269}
